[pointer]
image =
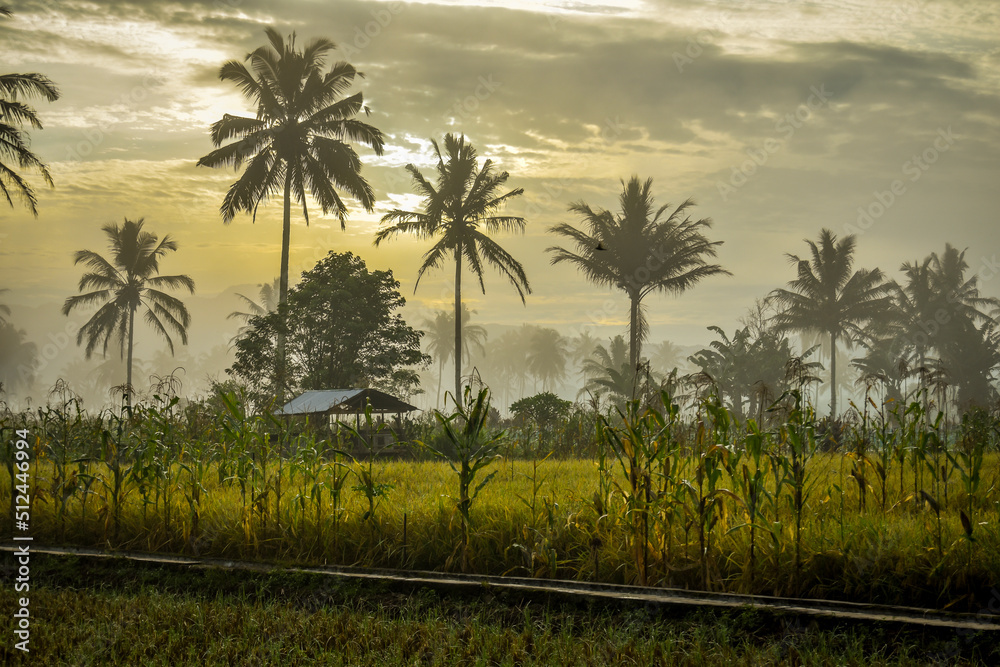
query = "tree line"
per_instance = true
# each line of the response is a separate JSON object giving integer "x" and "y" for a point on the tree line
{"x": 932, "y": 325}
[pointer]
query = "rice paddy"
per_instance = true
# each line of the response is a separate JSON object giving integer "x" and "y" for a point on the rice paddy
{"x": 904, "y": 512}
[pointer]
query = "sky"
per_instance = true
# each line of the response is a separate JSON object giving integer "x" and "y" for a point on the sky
{"x": 779, "y": 118}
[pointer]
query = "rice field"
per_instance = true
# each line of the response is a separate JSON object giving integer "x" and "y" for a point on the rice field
{"x": 904, "y": 512}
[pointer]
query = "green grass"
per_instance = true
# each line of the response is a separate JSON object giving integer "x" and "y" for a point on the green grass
{"x": 89, "y": 611}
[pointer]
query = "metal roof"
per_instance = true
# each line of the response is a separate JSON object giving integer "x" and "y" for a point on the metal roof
{"x": 350, "y": 401}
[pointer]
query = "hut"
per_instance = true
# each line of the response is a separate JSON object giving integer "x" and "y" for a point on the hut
{"x": 334, "y": 407}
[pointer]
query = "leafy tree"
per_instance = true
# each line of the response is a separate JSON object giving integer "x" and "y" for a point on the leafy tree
{"x": 974, "y": 364}
{"x": 639, "y": 252}
{"x": 461, "y": 209}
{"x": 126, "y": 283}
{"x": 15, "y": 145}
{"x": 342, "y": 330}
{"x": 827, "y": 296}
{"x": 545, "y": 410}
{"x": 297, "y": 142}
{"x": 748, "y": 369}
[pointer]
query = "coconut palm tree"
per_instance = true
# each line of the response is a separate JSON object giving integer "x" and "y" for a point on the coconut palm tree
{"x": 546, "y": 356}
{"x": 14, "y": 142}
{"x": 4, "y": 308}
{"x": 828, "y": 297}
{"x": 460, "y": 210}
{"x": 639, "y": 251}
{"x": 267, "y": 303}
{"x": 440, "y": 344}
{"x": 610, "y": 372}
{"x": 124, "y": 283}
{"x": 297, "y": 142}
{"x": 18, "y": 359}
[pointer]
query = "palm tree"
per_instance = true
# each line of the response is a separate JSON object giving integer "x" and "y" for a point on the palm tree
{"x": 4, "y": 308}
{"x": 546, "y": 356}
{"x": 18, "y": 359}
{"x": 125, "y": 283}
{"x": 610, "y": 372}
{"x": 14, "y": 142}
{"x": 267, "y": 303}
{"x": 440, "y": 343}
{"x": 461, "y": 209}
{"x": 296, "y": 142}
{"x": 827, "y": 297}
{"x": 639, "y": 252}
{"x": 666, "y": 356}
{"x": 582, "y": 349}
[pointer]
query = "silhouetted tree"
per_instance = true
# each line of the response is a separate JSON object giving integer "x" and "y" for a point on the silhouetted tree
{"x": 546, "y": 356}
{"x": 440, "y": 331}
{"x": 639, "y": 251}
{"x": 15, "y": 144}
{"x": 460, "y": 210}
{"x": 267, "y": 303}
{"x": 297, "y": 142}
{"x": 124, "y": 283}
{"x": 828, "y": 297}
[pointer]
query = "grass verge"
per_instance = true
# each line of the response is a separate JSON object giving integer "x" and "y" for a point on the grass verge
{"x": 92, "y": 611}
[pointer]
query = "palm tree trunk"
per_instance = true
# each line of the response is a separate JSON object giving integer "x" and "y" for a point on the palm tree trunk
{"x": 286, "y": 233}
{"x": 833, "y": 375}
{"x": 634, "y": 343}
{"x": 440, "y": 377}
{"x": 458, "y": 322}
{"x": 128, "y": 380}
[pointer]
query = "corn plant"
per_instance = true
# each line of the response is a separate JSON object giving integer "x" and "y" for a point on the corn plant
{"x": 116, "y": 455}
{"x": 241, "y": 436}
{"x": 637, "y": 445}
{"x": 474, "y": 451}
{"x": 752, "y": 487}
{"x": 196, "y": 463}
{"x": 797, "y": 434}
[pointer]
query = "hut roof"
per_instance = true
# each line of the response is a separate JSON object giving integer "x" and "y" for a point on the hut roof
{"x": 343, "y": 401}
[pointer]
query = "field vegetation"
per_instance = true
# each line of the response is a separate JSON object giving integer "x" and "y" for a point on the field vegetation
{"x": 101, "y": 611}
{"x": 896, "y": 507}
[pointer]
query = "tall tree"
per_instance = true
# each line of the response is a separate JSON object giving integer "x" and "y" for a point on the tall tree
{"x": 639, "y": 251}
{"x": 18, "y": 359}
{"x": 267, "y": 303}
{"x": 827, "y": 296}
{"x": 461, "y": 209}
{"x": 546, "y": 355}
{"x": 124, "y": 283}
{"x": 610, "y": 373}
{"x": 343, "y": 331}
{"x": 297, "y": 142}
{"x": 440, "y": 331}
{"x": 14, "y": 141}
{"x": 4, "y": 308}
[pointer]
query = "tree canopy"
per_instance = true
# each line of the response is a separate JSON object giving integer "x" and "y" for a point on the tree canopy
{"x": 342, "y": 331}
